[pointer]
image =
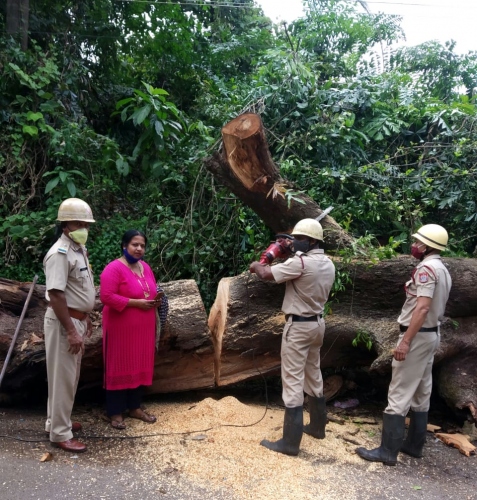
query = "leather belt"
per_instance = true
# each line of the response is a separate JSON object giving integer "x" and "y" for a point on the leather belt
{"x": 404, "y": 328}
{"x": 77, "y": 314}
{"x": 296, "y": 318}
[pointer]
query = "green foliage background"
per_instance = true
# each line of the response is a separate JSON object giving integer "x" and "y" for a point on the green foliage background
{"x": 118, "y": 103}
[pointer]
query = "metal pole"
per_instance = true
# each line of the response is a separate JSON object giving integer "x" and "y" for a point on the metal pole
{"x": 15, "y": 335}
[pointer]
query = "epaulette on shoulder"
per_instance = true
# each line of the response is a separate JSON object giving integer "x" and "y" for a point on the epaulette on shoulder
{"x": 63, "y": 248}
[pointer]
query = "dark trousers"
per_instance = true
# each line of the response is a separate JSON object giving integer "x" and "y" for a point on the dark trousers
{"x": 121, "y": 400}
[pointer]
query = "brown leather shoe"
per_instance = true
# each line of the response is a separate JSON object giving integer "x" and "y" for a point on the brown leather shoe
{"x": 75, "y": 427}
{"x": 71, "y": 445}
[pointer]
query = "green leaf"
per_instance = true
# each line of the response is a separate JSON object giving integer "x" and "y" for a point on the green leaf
{"x": 78, "y": 172}
{"x": 30, "y": 129}
{"x": 52, "y": 184}
{"x": 159, "y": 127}
{"x": 159, "y": 92}
{"x": 141, "y": 114}
{"x": 122, "y": 166}
{"x": 142, "y": 94}
{"x": 16, "y": 230}
{"x": 122, "y": 102}
{"x": 34, "y": 116}
{"x": 71, "y": 188}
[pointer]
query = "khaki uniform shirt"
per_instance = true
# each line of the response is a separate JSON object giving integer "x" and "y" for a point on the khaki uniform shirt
{"x": 430, "y": 279}
{"x": 67, "y": 269}
{"x": 309, "y": 278}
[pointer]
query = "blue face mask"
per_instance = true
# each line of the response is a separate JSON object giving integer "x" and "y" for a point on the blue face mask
{"x": 129, "y": 257}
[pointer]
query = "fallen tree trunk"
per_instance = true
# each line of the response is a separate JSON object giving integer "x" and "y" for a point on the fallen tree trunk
{"x": 365, "y": 312}
{"x": 246, "y": 168}
{"x": 246, "y": 322}
{"x": 184, "y": 361}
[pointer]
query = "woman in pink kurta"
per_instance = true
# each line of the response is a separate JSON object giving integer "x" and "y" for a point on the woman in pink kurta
{"x": 128, "y": 291}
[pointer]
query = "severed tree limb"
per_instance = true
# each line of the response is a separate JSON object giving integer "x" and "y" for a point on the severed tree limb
{"x": 246, "y": 168}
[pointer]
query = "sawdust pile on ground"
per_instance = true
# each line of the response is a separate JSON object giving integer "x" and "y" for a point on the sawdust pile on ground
{"x": 231, "y": 459}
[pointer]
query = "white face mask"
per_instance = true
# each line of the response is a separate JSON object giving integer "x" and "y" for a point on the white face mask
{"x": 79, "y": 236}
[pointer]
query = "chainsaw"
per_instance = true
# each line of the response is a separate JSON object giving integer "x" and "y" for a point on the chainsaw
{"x": 281, "y": 247}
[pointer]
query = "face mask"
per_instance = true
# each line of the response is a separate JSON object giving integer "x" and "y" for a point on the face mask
{"x": 416, "y": 253}
{"x": 129, "y": 257}
{"x": 301, "y": 246}
{"x": 79, "y": 236}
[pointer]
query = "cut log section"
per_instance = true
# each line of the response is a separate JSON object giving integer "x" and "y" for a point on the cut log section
{"x": 246, "y": 324}
{"x": 332, "y": 386}
{"x": 185, "y": 359}
{"x": 246, "y": 168}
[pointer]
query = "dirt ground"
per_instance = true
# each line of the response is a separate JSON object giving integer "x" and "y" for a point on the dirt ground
{"x": 206, "y": 445}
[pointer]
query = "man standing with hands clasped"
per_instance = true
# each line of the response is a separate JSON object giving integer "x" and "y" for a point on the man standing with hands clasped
{"x": 309, "y": 276}
{"x": 70, "y": 294}
{"x": 427, "y": 293}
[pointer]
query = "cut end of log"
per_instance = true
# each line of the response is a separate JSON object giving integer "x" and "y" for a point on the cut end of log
{"x": 247, "y": 152}
{"x": 216, "y": 321}
{"x": 243, "y": 126}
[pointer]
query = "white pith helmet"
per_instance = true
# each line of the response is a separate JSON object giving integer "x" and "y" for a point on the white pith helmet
{"x": 433, "y": 236}
{"x": 75, "y": 209}
{"x": 308, "y": 227}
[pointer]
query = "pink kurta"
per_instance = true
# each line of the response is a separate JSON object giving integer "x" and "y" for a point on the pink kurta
{"x": 128, "y": 332}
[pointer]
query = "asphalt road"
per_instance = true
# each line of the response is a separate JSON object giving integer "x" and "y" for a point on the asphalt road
{"x": 113, "y": 469}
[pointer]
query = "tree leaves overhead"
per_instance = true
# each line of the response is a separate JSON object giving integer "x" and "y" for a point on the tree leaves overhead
{"x": 118, "y": 102}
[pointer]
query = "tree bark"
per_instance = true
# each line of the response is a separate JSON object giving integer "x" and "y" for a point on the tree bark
{"x": 245, "y": 326}
{"x": 246, "y": 322}
{"x": 18, "y": 12}
{"x": 246, "y": 168}
{"x": 247, "y": 339}
{"x": 185, "y": 359}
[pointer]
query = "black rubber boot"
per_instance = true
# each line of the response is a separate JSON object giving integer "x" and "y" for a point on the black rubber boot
{"x": 391, "y": 441}
{"x": 416, "y": 434}
{"x": 292, "y": 433}
{"x": 316, "y": 427}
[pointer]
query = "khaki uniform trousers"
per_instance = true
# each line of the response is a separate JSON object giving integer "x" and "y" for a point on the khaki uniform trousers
{"x": 300, "y": 353}
{"x": 63, "y": 370}
{"x": 411, "y": 383}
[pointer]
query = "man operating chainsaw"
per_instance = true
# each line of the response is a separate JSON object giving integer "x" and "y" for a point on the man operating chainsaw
{"x": 309, "y": 276}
